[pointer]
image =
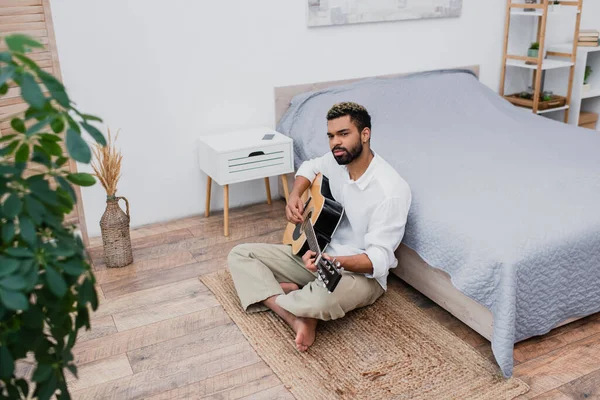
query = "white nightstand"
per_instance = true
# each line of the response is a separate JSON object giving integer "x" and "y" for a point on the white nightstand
{"x": 241, "y": 156}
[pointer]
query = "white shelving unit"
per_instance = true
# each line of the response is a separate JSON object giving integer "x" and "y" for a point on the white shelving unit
{"x": 545, "y": 60}
{"x": 553, "y": 109}
{"x": 581, "y": 100}
{"x": 546, "y": 64}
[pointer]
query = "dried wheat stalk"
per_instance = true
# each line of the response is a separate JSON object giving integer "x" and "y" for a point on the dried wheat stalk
{"x": 107, "y": 165}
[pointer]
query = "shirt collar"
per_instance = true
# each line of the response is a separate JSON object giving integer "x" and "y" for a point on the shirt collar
{"x": 367, "y": 176}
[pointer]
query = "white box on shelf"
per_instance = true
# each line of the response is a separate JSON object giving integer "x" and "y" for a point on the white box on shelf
{"x": 244, "y": 155}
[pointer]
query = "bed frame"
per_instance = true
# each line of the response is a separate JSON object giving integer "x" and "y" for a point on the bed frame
{"x": 432, "y": 282}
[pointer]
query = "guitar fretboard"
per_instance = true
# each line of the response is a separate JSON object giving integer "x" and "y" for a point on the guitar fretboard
{"x": 311, "y": 237}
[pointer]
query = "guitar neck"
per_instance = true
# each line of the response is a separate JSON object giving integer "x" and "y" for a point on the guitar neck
{"x": 311, "y": 237}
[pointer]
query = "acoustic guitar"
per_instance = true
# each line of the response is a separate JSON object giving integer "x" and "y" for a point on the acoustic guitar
{"x": 321, "y": 216}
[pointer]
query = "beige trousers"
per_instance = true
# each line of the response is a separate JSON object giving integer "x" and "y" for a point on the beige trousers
{"x": 257, "y": 269}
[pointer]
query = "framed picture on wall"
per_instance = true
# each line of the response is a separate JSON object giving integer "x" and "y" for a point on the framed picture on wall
{"x": 343, "y": 12}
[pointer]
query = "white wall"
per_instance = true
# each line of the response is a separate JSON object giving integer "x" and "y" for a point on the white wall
{"x": 168, "y": 72}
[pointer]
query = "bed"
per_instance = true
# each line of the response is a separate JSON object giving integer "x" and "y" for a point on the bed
{"x": 504, "y": 228}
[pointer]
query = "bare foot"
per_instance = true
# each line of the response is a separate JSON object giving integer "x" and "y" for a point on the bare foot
{"x": 288, "y": 287}
{"x": 305, "y": 329}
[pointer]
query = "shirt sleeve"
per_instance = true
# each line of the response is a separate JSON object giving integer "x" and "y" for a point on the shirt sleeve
{"x": 385, "y": 232}
{"x": 310, "y": 168}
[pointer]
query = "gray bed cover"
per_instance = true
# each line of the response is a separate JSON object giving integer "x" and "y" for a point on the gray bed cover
{"x": 504, "y": 201}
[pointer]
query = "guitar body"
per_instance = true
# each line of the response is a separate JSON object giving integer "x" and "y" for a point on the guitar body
{"x": 324, "y": 212}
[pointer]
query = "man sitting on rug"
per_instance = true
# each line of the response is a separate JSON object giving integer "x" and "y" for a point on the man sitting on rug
{"x": 376, "y": 201}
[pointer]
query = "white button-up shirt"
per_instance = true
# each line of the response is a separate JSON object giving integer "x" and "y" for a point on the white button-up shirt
{"x": 375, "y": 211}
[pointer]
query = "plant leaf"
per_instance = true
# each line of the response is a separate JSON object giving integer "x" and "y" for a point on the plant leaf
{"x": 57, "y": 90}
{"x": 20, "y": 42}
{"x": 41, "y": 156}
{"x": 7, "y": 169}
{"x": 73, "y": 369}
{"x": 8, "y": 232}
{"x": 51, "y": 147}
{"x": 78, "y": 148}
{"x": 61, "y": 161}
{"x": 72, "y": 124}
{"x": 42, "y": 372}
{"x": 13, "y": 300}
{"x": 89, "y": 117}
{"x": 7, "y": 363}
{"x": 22, "y": 383}
{"x": 9, "y": 149}
{"x": 13, "y": 282}
{"x": 9, "y": 265}
{"x": 31, "y": 92}
{"x": 28, "y": 232}
{"x": 27, "y": 61}
{"x": 18, "y": 125}
{"x": 74, "y": 267}
{"x": 95, "y": 133}
{"x": 19, "y": 252}
{"x": 82, "y": 179}
{"x": 23, "y": 153}
{"x": 56, "y": 283}
{"x": 12, "y": 206}
{"x": 7, "y": 138}
{"x": 50, "y": 137}
{"x": 5, "y": 56}
{"x": 6, "y": 73}
{"x": 35, "y": 209}
{"x": 34, "y": 317}
{"x": 57, "y": 125}
{"x": 67, "y": 187}
{"x": 37, "y": 126}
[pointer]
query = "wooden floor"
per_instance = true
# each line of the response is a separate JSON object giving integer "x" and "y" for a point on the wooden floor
{"x": 160, "y": 334}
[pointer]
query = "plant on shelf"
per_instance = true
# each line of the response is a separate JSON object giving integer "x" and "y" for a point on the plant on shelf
{"x": 586, "y": 76}
{"x": 533, "y": 50}
{"x": 47, "y": 287}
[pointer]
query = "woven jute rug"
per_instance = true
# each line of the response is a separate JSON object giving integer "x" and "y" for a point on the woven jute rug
{"x": 390, "y": 349}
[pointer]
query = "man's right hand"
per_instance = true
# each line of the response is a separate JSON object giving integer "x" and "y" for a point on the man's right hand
{"x": 294, "y": 209}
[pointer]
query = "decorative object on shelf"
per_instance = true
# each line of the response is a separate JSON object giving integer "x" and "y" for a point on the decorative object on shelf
{"x": 530, "y": 2}
{"x": 586, "y": 85}
{"x": 327, "y": 12}
{"x": 533, "y": 51}
{"x": 547, "y": 100}
{"x": 555, "y": 5}
{"x": 589, "y": 38}
{"x": 114, "y": 223}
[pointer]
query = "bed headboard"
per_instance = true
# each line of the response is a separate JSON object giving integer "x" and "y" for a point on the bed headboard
{"x": 285, "y": 94}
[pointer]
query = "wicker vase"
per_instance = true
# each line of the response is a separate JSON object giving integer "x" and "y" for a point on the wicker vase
{"x": 114, "y": 225}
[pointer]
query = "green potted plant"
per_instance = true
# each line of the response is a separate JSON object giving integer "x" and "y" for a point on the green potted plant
{"x": 533, "y": 50}
{"x": 46, "y": 283}
{"x": 586, "y": 76}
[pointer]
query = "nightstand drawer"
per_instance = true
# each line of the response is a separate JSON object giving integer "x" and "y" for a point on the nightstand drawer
{"x": 255, "y": 163}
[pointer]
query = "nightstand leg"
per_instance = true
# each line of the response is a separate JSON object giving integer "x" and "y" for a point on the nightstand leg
{"x": 268, "y": 187}
{"x": 208, "y": 185}
{"x": 226, "y": 209}
{"x": 286, "y": 192}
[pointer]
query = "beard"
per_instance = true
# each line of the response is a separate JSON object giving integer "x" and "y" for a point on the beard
{"x": 348, "y": 156}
